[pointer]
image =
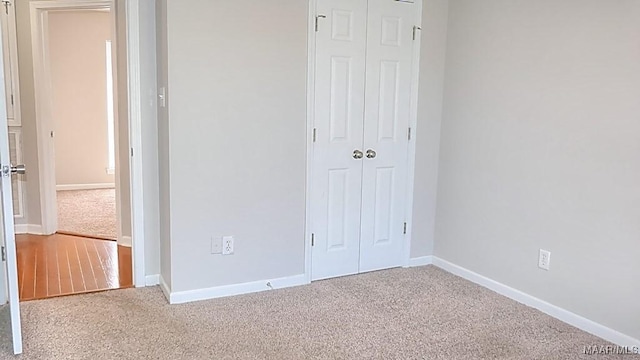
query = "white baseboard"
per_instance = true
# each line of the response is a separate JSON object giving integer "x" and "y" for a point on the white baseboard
{"x": 125, "y": 241}
{"x": 152, "y": 280}
{"x": 420, "y": 261}
{"x": 21, "y": 228}
{"x": 181, "y": 297}
{"x": 547, "y": 308}
{"x": 165, "y": 289}
{"x": 28, "y": 229}
{"x": 85, "y": 186}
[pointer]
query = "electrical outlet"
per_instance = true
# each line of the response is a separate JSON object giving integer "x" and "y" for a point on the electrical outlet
{"x": 544, "y": 259}
{"x": 227, "y": 245}
{"x": 216, "y": 245}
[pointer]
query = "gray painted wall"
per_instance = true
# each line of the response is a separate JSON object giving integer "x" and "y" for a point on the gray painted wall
{"x": 539, "y": 149}
{"x": 432, "y": 60}
{"x": 237, "y": 110}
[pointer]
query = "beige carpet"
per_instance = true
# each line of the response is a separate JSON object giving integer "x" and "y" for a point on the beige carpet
{"x": 88, "y": 212}
{"x": 420, "y": 313}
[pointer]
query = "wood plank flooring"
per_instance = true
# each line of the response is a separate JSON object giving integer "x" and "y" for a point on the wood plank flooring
{"x": 59, "y": 264}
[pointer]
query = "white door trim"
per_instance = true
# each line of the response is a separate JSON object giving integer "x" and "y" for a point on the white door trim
{"x": 311, "y": 76}
{"x": 310, "y": 125}
{"x": 117, "y": 122}
{"x": 135, "y": 141}
{"x": 42, "y": 82}
{"x": 413, "y": 124}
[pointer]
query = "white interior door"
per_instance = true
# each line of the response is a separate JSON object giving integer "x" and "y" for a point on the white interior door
{"x": 339, "y": 115}
{"x": 387, "y": 111}
{"x": 10, "y": 264}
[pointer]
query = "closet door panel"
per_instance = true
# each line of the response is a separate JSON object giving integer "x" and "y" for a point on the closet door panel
{"x": 387, "y": 111}
{"x": 338, "y": 122}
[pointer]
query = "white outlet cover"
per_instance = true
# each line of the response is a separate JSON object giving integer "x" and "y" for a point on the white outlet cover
{"x": 227, "y": 245}
{"x": 544, "y": 259}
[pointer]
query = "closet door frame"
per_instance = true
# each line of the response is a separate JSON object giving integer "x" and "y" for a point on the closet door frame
{"x": 413, "y": 133}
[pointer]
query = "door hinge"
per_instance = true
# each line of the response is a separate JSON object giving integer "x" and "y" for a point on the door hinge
{"x": 317, "y": 19}
{"x": 313, "y": 239}
{"x": 315, "y": 133}
{"x": 131, "y": 152}
{"x": 12, "y": 99}
{"x": 52, "y": 134}
{"x": 415, "y": 30}
{"x": 6, "y": 4}
{"x": 4, "y": 254}
{"x": 409, "y": 134}
{"x": 404, "y": 231}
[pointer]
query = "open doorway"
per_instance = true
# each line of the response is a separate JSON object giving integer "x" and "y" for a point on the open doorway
{"x": 82, "y": 101}
{"x": 84, "y": 241}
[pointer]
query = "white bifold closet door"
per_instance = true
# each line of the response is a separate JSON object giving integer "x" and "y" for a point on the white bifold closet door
{"x": 362, "y": 103}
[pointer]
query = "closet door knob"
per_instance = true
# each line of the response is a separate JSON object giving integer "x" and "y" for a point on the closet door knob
{"x": 357, "y": 154}
{"x": 371, "y": 154}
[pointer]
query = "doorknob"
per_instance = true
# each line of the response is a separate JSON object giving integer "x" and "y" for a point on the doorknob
{"x": 357, "y": 154}
{"x": 371, "y": 154}
{"x": 10, "y": 169}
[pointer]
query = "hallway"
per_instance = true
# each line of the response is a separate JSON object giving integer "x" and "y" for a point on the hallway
{"x": 58, "y": 265}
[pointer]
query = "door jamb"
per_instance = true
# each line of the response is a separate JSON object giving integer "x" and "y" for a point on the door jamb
{"x": 311, "y": 86}
{"x": 413, "y": 117}
{"x": 136, "y": 169}
{"x": 413, "y": 125}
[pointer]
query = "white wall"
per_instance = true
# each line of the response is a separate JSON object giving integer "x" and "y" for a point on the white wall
{"x": 77, "y": 60}
{"x": 540, "y": 148}
{"x": 432, "y": 60}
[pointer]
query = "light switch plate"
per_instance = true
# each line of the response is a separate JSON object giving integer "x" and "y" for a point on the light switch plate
{"x": 216, "y": 245}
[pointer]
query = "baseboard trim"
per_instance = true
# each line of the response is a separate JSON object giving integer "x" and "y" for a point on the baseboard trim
{"x": 152, "y": 280}
{"x": 181, "y": 297}
{"x": 552, "y": 310}
{"x": 165, "y": 288}
{"x": 28, "y": 229}
{"x": 420, "y": 261}
{"x": 125, "y": 241}
{"x": 21, "y": 228}
{"x": 85, "y": 186}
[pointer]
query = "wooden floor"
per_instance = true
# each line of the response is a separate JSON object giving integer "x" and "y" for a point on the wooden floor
{"x": 58, "y": 265}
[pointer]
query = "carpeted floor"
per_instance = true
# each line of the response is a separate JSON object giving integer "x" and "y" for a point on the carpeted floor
{"x": 88, "y": 212}
{"x": 420, "y": 313}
